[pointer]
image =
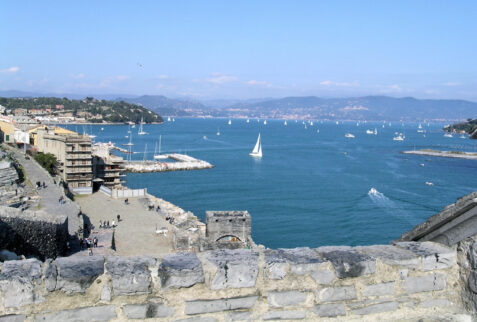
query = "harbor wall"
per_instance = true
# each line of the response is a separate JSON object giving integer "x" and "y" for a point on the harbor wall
{"x": 407, "y": 281}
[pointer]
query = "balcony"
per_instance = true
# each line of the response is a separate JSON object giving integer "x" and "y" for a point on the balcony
{"x": 79, "y": 178}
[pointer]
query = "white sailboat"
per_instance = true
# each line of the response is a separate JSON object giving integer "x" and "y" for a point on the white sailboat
{"x": 257, "y": 150}
{"x": 265, "y": 122}
{"x": 349, "y": 136}
{"x": 369, "y": 132}
{"x": 285, "y": 123}
{"x": 141, "y": 131}
{"x": 130, "y": 141}
{"x": 248, "y": 120}
{"x": 158, "y": 155}
{"x": 169, "y": 119}
{"x": 375, "y": 131}
{"x": 230, "y": 122}
{"x": 218, "y": 131}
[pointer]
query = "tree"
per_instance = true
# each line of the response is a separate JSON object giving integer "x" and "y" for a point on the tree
{"x": 47, "y": 161}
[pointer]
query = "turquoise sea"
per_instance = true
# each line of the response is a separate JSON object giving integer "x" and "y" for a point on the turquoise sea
{"x": 310, "y": 188}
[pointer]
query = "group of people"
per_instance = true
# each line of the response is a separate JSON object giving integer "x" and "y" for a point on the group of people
{"x": 40, "y": 185}
{"x": 88, "y": 243}
{"x": 106, "y": 224}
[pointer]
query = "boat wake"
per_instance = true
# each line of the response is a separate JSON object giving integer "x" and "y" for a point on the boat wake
{"x": 378, "y": 197}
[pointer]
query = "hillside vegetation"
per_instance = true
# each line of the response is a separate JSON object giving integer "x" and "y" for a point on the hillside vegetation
{"x": 469, "y": 127}
{"x": 91, "y": 109}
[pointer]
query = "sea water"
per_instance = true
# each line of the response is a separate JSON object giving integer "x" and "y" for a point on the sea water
{"x": 311, "y": 187}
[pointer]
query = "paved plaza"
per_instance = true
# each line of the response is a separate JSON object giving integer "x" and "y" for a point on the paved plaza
{"x": 135, "y": 234}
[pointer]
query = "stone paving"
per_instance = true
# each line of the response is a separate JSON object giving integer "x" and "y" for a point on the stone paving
{"x": 49, "y": 196}
{"x": 135, "y": 234}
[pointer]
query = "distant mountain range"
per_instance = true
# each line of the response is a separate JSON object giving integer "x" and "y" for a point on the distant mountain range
{"x": 167, "y": 106}
{"x": 362, "y": 108}
{"x": 310, "y": 107}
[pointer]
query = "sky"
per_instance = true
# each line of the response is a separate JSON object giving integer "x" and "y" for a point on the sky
{"x": 240, "y": 49}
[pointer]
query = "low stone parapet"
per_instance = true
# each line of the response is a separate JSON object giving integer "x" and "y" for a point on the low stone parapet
{"x": 404, "y": 281}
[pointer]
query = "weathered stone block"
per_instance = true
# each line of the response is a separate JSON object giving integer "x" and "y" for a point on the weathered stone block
{"x": 333, "y": 294}
{"x": 286, "y": 298}
{"x": 348, "y": 262}
{"x": 391, "y": 255}
{"x": 13, "y": 318}
{"x": 379, "y": 289}
{"x": 180, "y": 270}
{"x": 434, "y": 256}
{"x": 50, "y": 274}
{"x": 435, "y": 303}
{"x": 330, "y": 310}
{"x": 235, "y": 268}
{"x": 323, "y": 277}
{"x": 276, "y": 264}
{"x": 209, "y": 306}
{"x": 130, "y": 275}
{"x": 18, "y": 280}
{"x": 94, "y": 313}
{"x": 284, "y": 315}
{"x": 145, "y": 311}
{"x": 427, "y": 283}
{"x": 198, "y": 319}
{"x": 23, "y": 270}
{"x": 239, "y": 316}
{"x": 77, "y": 273}
{"x": 377, "y": 308}
{"x": 303, "y": 260}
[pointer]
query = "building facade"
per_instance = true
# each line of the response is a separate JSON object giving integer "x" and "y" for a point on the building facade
{"x": 108, "y": 169}
{"x": 73, "y": 152}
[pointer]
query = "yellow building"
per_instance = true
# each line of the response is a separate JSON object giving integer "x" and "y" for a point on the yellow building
{"x": 33, "y": 131}
{"x": 7, "y": 129}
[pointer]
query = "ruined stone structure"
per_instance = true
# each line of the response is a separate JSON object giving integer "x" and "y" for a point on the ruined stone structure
{"x": 228, "y": 229}
{"x": 407, "y": 281}
{"x": 33, "y": 233}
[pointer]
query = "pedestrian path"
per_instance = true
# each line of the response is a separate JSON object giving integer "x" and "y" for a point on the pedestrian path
{"x": 50, "y": 195}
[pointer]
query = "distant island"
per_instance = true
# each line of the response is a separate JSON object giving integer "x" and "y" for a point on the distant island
{"x": 88, "y": 110}
{"x": 469, "y": 127}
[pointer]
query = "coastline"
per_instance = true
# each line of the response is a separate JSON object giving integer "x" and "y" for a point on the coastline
{"x": 444, "y": 154}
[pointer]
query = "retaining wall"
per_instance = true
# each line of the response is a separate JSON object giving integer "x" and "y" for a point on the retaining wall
{"x": 408, "y": 281}
{"x": 33, "y": 233}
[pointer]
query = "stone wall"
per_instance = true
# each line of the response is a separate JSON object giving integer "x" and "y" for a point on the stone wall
{"x": 33, "y": 233}
{"x": 408, "y": 281}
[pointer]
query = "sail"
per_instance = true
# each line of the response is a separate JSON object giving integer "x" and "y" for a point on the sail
{"x": 257, "y": 150}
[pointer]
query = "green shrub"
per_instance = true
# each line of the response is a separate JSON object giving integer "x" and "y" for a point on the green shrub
{"x": 47, "y": 161}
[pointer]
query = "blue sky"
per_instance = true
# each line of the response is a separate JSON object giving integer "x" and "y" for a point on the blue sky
{"x": 241, "y": 49}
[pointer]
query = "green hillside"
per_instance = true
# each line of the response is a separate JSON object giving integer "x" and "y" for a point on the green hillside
{"x": 92, "y": 110}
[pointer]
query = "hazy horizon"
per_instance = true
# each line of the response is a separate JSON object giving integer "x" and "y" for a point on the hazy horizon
{"x": 214, "y": 50}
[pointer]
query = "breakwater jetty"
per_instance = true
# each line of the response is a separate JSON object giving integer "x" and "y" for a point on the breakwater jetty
{"x": 179, "y": 162}
{"x": 444, "y": 154}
